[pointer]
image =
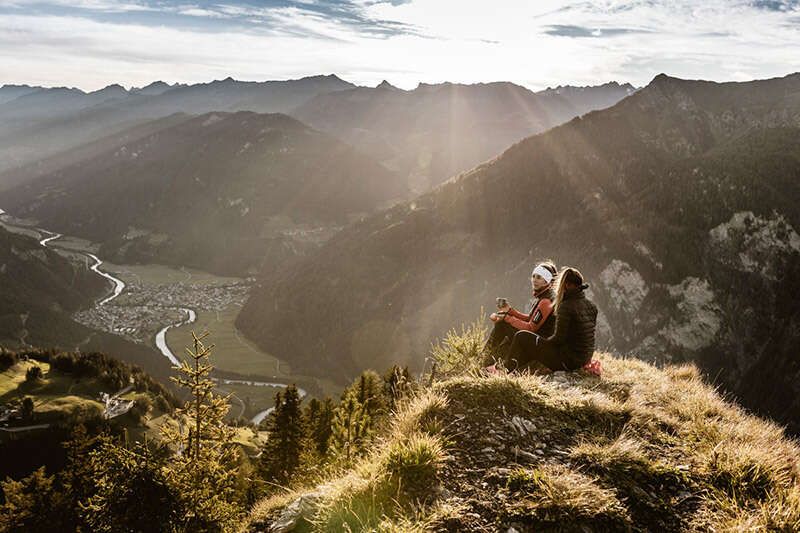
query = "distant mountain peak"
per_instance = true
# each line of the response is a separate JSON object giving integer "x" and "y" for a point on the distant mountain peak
{"x": 155, "y": 88}
{"x": 114, "y": 88}
{"x": 664, "y": 79}
{"x": 18, "y": 86}
{"x": 608, "y": 85}
{"x": 325, "y": 77}
{"x": 387, "y": 86}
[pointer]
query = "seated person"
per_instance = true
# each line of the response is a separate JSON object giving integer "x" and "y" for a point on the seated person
{"x": 508, "y": 321}
{"x": 572, "y": 345}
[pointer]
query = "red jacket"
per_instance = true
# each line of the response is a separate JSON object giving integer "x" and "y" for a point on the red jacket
{"x": 541, "y": 311}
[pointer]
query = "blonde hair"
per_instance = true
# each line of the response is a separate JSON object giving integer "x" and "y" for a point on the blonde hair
{"x": 567, "y": 275}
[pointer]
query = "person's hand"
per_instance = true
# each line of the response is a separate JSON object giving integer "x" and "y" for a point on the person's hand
{"x": 494, "y": 317}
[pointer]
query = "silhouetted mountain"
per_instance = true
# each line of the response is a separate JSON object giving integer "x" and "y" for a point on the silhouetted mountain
{"x": 679, "y": 204}
{"x": 435, "y": 131}
{"x": 52, "y": 164}
{"x": 10, "y": 92}
{"x": 49, "y": 121}
{"x": 217, "y": 192}
{"x": 155, "y": 88}
{"x": 45, "y": 103}
{"x": 591, "y": 96}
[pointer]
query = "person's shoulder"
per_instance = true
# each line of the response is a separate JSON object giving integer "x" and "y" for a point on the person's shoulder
{"x": 590, "y": 304}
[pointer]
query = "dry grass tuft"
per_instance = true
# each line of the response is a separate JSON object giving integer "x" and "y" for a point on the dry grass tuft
{"x": 555, "y": 496}
{"x": 420, "y": 412}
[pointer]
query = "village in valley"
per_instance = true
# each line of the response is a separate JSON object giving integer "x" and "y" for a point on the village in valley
{"x": 145, "y": 308}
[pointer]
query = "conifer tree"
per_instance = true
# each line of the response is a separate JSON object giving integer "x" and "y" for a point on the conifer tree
{"x": 284, "y": 448}
{"x": 319, "y": 418}
{"x": 204, "y": 472}
{"x": 370, "y": 389}
{"x": 28, "y": 504}
{"x": 311, "y": 412}
{"x": 27, "y": 408}
{"x": 78, "y": 478}
{"x": 132, "y": 492}
{"x": 351, "y": 428}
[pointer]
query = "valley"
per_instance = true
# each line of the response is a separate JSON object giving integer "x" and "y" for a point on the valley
{"x": 159, "y": 306}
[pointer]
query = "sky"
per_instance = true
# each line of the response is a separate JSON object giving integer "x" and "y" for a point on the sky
{"x": 536, "y": 43}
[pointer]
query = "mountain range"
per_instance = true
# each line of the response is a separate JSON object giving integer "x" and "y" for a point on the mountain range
{"x": 223, "y": 192}
{"x": 48, "y": 121}
{"x": 679, "y": 204}
{"x": 117, "y": 189}
{"x": 436, "y": 131}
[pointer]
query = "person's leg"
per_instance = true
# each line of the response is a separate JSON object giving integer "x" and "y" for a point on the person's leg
{"x": 545, "y": 355}
{"x": 522, "y": 347}
{"x": 497, "y": 344}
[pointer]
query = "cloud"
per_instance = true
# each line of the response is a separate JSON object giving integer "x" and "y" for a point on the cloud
{"x": 567, "y": 30}
{"x": 91, "y": 43}
{"x": 275, "y": 16}
{"x": 776, "y": 5}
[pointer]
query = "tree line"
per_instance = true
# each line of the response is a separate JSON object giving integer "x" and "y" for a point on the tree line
{"x": 194, "y": 477}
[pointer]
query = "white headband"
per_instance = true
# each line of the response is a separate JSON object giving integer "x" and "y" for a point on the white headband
{"x": 542, "y": 271}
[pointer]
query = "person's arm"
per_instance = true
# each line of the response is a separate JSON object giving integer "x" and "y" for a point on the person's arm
{"x": 516, "y": 314}
{"x": 533, "y": 321}
{"x": 517, "y": 323}
{"x": 540, "y": 315}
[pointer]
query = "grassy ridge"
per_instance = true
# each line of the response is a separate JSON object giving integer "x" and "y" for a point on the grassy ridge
{"x": 640, "y": 449}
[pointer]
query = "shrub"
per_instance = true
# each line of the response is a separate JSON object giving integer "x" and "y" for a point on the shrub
{"x": 27, "y": 408}
{"x": 413, "y": 464}
{"x": 7, "y": 359}
{"x": 33, "y": 374}
{"x": 459, "y": 353}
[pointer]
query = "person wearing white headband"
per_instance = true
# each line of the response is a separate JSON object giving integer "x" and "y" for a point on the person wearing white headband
{"x": 508, "y": 321}
{"x": 572, "y": 344}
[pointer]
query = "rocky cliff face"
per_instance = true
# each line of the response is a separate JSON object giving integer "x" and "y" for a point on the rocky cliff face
{"x": 679, "y": 204}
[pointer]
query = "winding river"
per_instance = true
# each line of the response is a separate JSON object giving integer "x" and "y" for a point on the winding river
{"x": 119, "y": 285}
{"x": 161, "y": 336}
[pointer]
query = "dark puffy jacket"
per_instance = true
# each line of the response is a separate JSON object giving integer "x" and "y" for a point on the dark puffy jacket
{"x": 576, "y": 318}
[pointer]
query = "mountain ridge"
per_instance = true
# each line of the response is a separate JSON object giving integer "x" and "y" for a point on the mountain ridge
{"x": 638, "y": 196}
{"x": 638, "y": 449}
{"x": 434, "y": 131}
{"x": 268, "y": 183}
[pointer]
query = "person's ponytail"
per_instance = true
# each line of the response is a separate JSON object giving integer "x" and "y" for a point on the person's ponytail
{"x": 568, "y": 275}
